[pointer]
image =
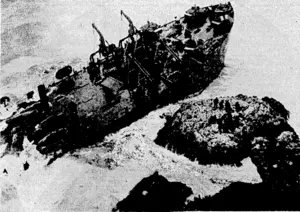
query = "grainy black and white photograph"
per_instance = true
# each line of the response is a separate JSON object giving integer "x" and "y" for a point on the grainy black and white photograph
{"x": 147, "y": 105}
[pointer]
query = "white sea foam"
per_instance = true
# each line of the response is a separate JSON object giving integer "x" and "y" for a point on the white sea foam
{"x": 260, "y": 61}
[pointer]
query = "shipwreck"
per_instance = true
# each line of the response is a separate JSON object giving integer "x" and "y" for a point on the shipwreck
{"x": 151, "y": 67}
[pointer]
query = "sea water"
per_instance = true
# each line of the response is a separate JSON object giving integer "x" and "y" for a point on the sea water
{"x": 262, "y": 57}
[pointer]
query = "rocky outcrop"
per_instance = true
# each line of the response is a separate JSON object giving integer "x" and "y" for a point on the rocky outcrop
{"x": 225, "y": 130}
{"x": 241, "y": 196}
{"x": 155, "y": 193}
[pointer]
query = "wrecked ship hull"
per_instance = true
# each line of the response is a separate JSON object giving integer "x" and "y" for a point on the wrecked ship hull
{"x": 151, "y": 68}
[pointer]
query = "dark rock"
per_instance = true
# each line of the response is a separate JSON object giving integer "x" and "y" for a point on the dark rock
{"x": 277, "y": 106}
{"x": 278, "y": 160}
{"x": 5, "y": 171}
{"x": 30, "y": 94}
{"x": 4, "y": 100}
{"x": 228, "y": 134}
{"x": 155, "y": 193}
{"x": 243, "y": 197}
{"x": 26, "y": 166}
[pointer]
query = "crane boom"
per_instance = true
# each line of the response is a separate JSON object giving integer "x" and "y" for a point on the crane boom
{"x": 102, "y": 47}
{"x": 132, "y": 28}
{"x": 102, "y": 40}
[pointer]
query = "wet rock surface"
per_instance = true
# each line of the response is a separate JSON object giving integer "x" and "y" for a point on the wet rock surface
{"x": 225, "y": 130}
{"x": 155, "y": 193}
{"x": 244, "y": 196}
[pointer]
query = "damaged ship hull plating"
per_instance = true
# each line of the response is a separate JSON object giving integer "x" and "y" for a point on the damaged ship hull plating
{"x": 150, "y": 68}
